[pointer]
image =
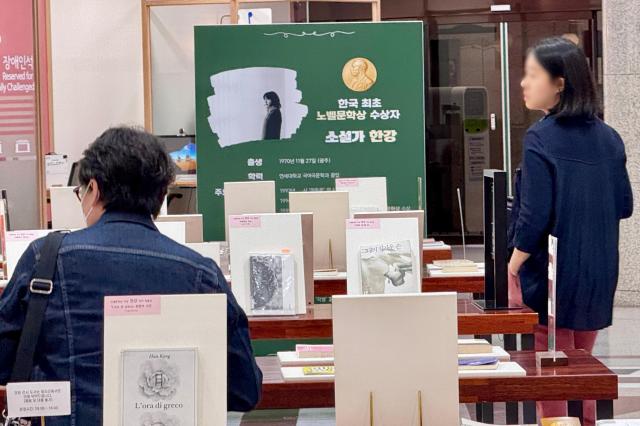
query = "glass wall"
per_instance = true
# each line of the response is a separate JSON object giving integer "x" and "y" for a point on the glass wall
{"x": 474, "y": 75}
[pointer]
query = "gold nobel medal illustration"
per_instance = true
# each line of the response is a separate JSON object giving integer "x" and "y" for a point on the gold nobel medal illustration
{"x": 359, "y": 74}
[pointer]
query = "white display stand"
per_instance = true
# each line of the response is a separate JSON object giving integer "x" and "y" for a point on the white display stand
{"x": 266, "y": 233}
{"x": 248, "y": 198}
{"x": 295, "y": 374}
{"x": 365, "y": 194}
{"x": 368, "y": 232}
{"x": 210, "y": 250}
{"x": 56, "y": 170}
{"x": 418, "y": 214}
{"x": 385, "y": 363}
{"x": 66, "y": 210}
{"x": 192, "y": 223}
{"x": 330, "y": 211}
{"x": 467, "y": 422}
{"x": 291, "y": 358}
{"x": 177, "y": 231}
{"x": 505, "y": 369}
{"x": 17, "y": 243}
{"x": 168, "y": 322}
{"x": 436, "y": 271}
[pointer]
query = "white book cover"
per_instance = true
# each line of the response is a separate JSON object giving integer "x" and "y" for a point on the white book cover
{"x": 160, "y": 386}
{"x": 369, "y": 333}
{"x": 418, "y": 214}
{"x": 365, "y": 194}
{"x": 248, "y": 198}
{"x": 296, "y": 374}
{"x": 291, "y": 358}
{"x": 192, "y": 225}
{"x": 211, "y": 250}
{"x": 383, "y": 256}
{"x": 138, "y": 328}
{"x": 17, "y": 242}
{"x": 330, "y": 210}
{"x": 388, "y": 268}
{"x": 505, "y": 369}
{"x": 278, "y": 233}
{"x": 66, "y": 211}
{"x": 177, "y": 231}
{"x": 272, "y": 284}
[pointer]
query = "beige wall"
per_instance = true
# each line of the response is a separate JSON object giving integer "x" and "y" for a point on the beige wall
{"x": 172, "y": 65}
{"x": 96, "y": 69}
{"x": 622, "y": 111}
{"x": 97, "y": 78}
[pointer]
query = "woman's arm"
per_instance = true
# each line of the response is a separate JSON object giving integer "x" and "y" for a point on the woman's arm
{"x": 536, "y": 199}
{"x": 627, "y": 195}
{"x": 517, "y": 260}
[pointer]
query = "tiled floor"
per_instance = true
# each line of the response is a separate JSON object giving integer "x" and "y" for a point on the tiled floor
{"x": 618, "y": 347}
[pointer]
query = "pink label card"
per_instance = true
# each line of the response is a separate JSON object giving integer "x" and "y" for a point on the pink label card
{"x": 132, "y": 305}
{"x": 373, "y": 223}
{"x": 25, "y": 236}
{"x": 314, "y": 348}
{"x": 245, "y": 221}
{"x": 347, "y": 183}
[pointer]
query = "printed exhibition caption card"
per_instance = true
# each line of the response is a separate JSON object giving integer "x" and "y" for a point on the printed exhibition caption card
{"x": 159, "y": 387}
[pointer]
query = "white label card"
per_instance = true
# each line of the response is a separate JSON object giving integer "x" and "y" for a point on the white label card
{"x": 36, "y": 399}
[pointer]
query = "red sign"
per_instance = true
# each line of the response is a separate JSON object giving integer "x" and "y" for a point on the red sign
{"x": 17, "y": 86}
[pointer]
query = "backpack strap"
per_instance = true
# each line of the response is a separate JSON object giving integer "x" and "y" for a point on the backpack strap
{"x": 40, "y": 288}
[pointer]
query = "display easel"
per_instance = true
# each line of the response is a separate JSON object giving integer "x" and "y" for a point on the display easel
{"x": 496, "y": 291}
{"x": 369, "y": 389}
{"x": 552, "y": 357}
{"x": 371, "y": 410}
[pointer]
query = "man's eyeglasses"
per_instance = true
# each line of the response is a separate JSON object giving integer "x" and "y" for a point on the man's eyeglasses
{"x": 76, "y": 191}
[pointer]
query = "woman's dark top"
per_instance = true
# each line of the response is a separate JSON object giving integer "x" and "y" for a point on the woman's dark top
{"x": 272, "y": 124}
{"x": 574, "y": 185}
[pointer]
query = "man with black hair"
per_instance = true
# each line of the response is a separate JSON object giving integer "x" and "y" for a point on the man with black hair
{"x": 124, "y": 177}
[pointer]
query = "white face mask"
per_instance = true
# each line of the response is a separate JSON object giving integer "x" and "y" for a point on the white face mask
{"x": 86, "y": 217}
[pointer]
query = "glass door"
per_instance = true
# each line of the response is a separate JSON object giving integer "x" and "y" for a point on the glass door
{"x": 578, "y": 28}
{"x": 464, "y": 122}
{"x": 476, "y": 117}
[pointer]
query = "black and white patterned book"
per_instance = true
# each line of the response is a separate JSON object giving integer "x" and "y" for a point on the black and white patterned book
{"x": 159, "y": 387}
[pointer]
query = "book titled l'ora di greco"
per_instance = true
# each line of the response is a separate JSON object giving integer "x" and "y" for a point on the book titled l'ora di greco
{"x": 159, "y": 387}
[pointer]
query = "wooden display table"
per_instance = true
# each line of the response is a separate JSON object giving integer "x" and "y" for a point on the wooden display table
{"x": 585, "y": 378}
{"x": 327, "y": 287}
{"x": 458, "y": 284}
{"x": 317, "y": 323}
{"x": 429, "y": 254}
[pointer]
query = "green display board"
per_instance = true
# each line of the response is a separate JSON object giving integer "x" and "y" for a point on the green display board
{"x": 303, "y": 104}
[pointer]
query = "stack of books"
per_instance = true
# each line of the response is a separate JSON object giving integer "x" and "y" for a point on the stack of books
{"x": 453, "y": 266}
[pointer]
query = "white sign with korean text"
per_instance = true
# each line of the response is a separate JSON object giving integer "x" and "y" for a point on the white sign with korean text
{"x": 38, "y": 399}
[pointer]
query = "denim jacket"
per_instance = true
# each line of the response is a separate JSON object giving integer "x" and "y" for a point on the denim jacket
{"x": 122, "y": 254}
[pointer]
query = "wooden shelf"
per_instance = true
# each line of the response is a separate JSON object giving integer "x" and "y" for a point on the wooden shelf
{"x": 317, "y": 323}
{"x": 585, "y": 378}
{"x": 431, "y": 254}
{"x": 337, "y": 286}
